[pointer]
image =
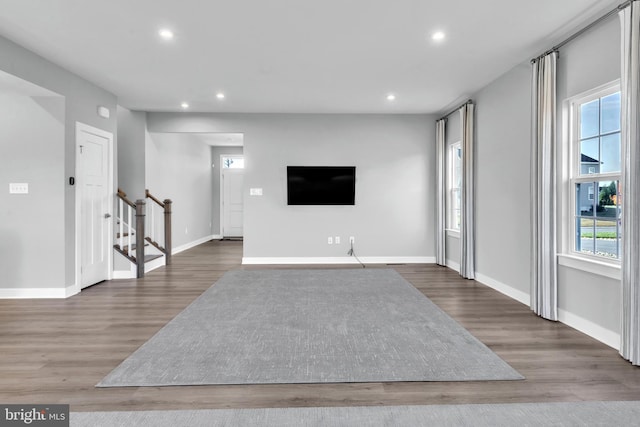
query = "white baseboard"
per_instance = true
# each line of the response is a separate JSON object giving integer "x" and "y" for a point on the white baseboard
{"x": 123, "y": 274}
{"x": 505, "y": 289}
{"x": 38, "y": 293}
{"x": 338, "y": 260}
{"x": 604, "y": 335}
{"x": 154, "y": 264}
{"x": 195, "y": 243}
{"x": 160, "y": 262}
{"x": 452, "y": 265}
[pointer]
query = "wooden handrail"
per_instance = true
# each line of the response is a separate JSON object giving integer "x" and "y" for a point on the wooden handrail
{"x": 122, "y": 195}
{"x": 140, "y": 238}
{"x": 150, "y": 196}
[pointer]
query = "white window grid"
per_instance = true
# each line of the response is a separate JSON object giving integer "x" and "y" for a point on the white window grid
{"x": 591, "y": 177}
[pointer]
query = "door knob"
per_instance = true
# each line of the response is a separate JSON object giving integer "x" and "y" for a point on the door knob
{"x": 107, "y": 215}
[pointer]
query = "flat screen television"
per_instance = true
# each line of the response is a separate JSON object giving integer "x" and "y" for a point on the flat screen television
{"x": 321, "y": 185}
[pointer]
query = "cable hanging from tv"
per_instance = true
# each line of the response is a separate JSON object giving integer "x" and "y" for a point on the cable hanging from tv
{"x": 352, "y": 253}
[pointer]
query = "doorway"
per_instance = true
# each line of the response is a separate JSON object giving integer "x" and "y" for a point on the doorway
{"x": 94, "y": 205}
{"x": 231, "y": 196}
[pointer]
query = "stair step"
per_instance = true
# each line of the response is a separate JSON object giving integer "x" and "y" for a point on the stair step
{"x": 148, "y": 258}
{"x": 126, "y": 254}
{"x": 133, "y": 247}
{"x": 123, "y": 235}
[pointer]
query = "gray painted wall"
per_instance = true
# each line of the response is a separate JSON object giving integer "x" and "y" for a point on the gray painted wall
{"x": 132, "y": 129}
{"x": 215, "y": 202}
{"x": 588, "y": 62}
{"x": 31, "y": 151}
{"x": 503, "y": 118}
{"x": 81, "y": 102}
{"x": 179, "y": 168}
{"x": 503, "y": 174}
{"x": 394, "y": 211}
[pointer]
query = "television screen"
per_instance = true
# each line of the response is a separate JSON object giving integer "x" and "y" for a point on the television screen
{"x": 321, "y": 185}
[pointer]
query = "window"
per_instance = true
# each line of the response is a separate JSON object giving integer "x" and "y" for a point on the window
{"x": 454, "y": 186}
{"x": 595, "y": 174}
{"x": 232, "y": 162}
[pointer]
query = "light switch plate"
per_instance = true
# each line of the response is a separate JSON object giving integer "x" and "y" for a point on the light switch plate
{"x": 18, "y": 188}
{"x": 255, "y": 191}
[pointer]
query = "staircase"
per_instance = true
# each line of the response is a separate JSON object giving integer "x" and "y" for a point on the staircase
{"x": 150, "y": 238}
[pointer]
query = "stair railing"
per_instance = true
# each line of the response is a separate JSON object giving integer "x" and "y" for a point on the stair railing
{"x": 161, "y": 240}
{"x": 125, "y": 235}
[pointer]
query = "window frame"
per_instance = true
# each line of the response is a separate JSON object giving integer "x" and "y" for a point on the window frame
{"x": 451, "y": 229}
{"x": 232, "y": 157}
{"x": 570, "y": 174}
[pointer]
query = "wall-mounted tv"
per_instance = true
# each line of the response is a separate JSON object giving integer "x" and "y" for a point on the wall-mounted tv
{"x": 321, "y": 185}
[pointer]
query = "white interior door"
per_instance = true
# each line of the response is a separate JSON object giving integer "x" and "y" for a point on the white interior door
{"x": 93, "y": 175}
{"x": 232, "y": 202}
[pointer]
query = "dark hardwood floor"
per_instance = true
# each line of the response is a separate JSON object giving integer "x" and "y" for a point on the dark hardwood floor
{"x": 55, "y": 351}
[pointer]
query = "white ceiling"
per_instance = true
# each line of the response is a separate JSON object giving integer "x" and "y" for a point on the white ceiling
{"x": 294, "y": 56}
{"x": 213, "y": 139}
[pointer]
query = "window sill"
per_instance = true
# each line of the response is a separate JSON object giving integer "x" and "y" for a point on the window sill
{"x": 601, "y": 268}
{"x": 453, "y": 233}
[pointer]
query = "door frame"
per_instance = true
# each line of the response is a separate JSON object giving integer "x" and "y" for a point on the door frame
{"x": 82, "y": 127}
{"x": 222, "y": 193}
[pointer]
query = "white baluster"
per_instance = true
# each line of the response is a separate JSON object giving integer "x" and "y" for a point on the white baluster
{"x": 121, "y": 221}
{"x": 129, "y": 228}
{"x": 152, "y": 232}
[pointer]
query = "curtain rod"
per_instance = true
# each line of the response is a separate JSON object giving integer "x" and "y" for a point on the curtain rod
{"x": 584, "y": 30}
{"x": 468, "y": 101}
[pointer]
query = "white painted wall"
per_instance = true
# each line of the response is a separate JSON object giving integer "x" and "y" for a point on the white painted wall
{"x": 179, "y": 168}
{"x": 393, "y": 154}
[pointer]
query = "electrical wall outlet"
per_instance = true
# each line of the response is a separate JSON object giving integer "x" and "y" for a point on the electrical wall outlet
{"x": 330, "y": 240}
{"x": 337, "y": 240}
{"x": 352, "y": 239}
{"x": 19, "y": 188}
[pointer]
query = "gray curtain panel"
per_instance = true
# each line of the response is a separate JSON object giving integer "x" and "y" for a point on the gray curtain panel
{"x": 544, "y": 284}
{"x": 467, "y": 205}
{"x": 441, "y": 192}
{"x": 630, "y": 185}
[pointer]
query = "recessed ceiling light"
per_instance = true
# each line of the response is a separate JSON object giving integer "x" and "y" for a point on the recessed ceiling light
{"x": 438, "y": 36}
{"x": 391, "y": 97}
{"x": 220, "y": 95}
{"x": 166, "y": 34}
{"x": 184, "y": 105}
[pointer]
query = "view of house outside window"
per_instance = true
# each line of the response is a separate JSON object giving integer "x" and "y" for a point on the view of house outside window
{"x": 596, "y": 175}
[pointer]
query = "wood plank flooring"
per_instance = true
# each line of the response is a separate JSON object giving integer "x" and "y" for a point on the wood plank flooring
{"x": 55, "y": 351}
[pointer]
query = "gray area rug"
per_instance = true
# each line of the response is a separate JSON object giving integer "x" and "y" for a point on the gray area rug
{"x": 310, "y": 326}
{"x": 512, "y": 414}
